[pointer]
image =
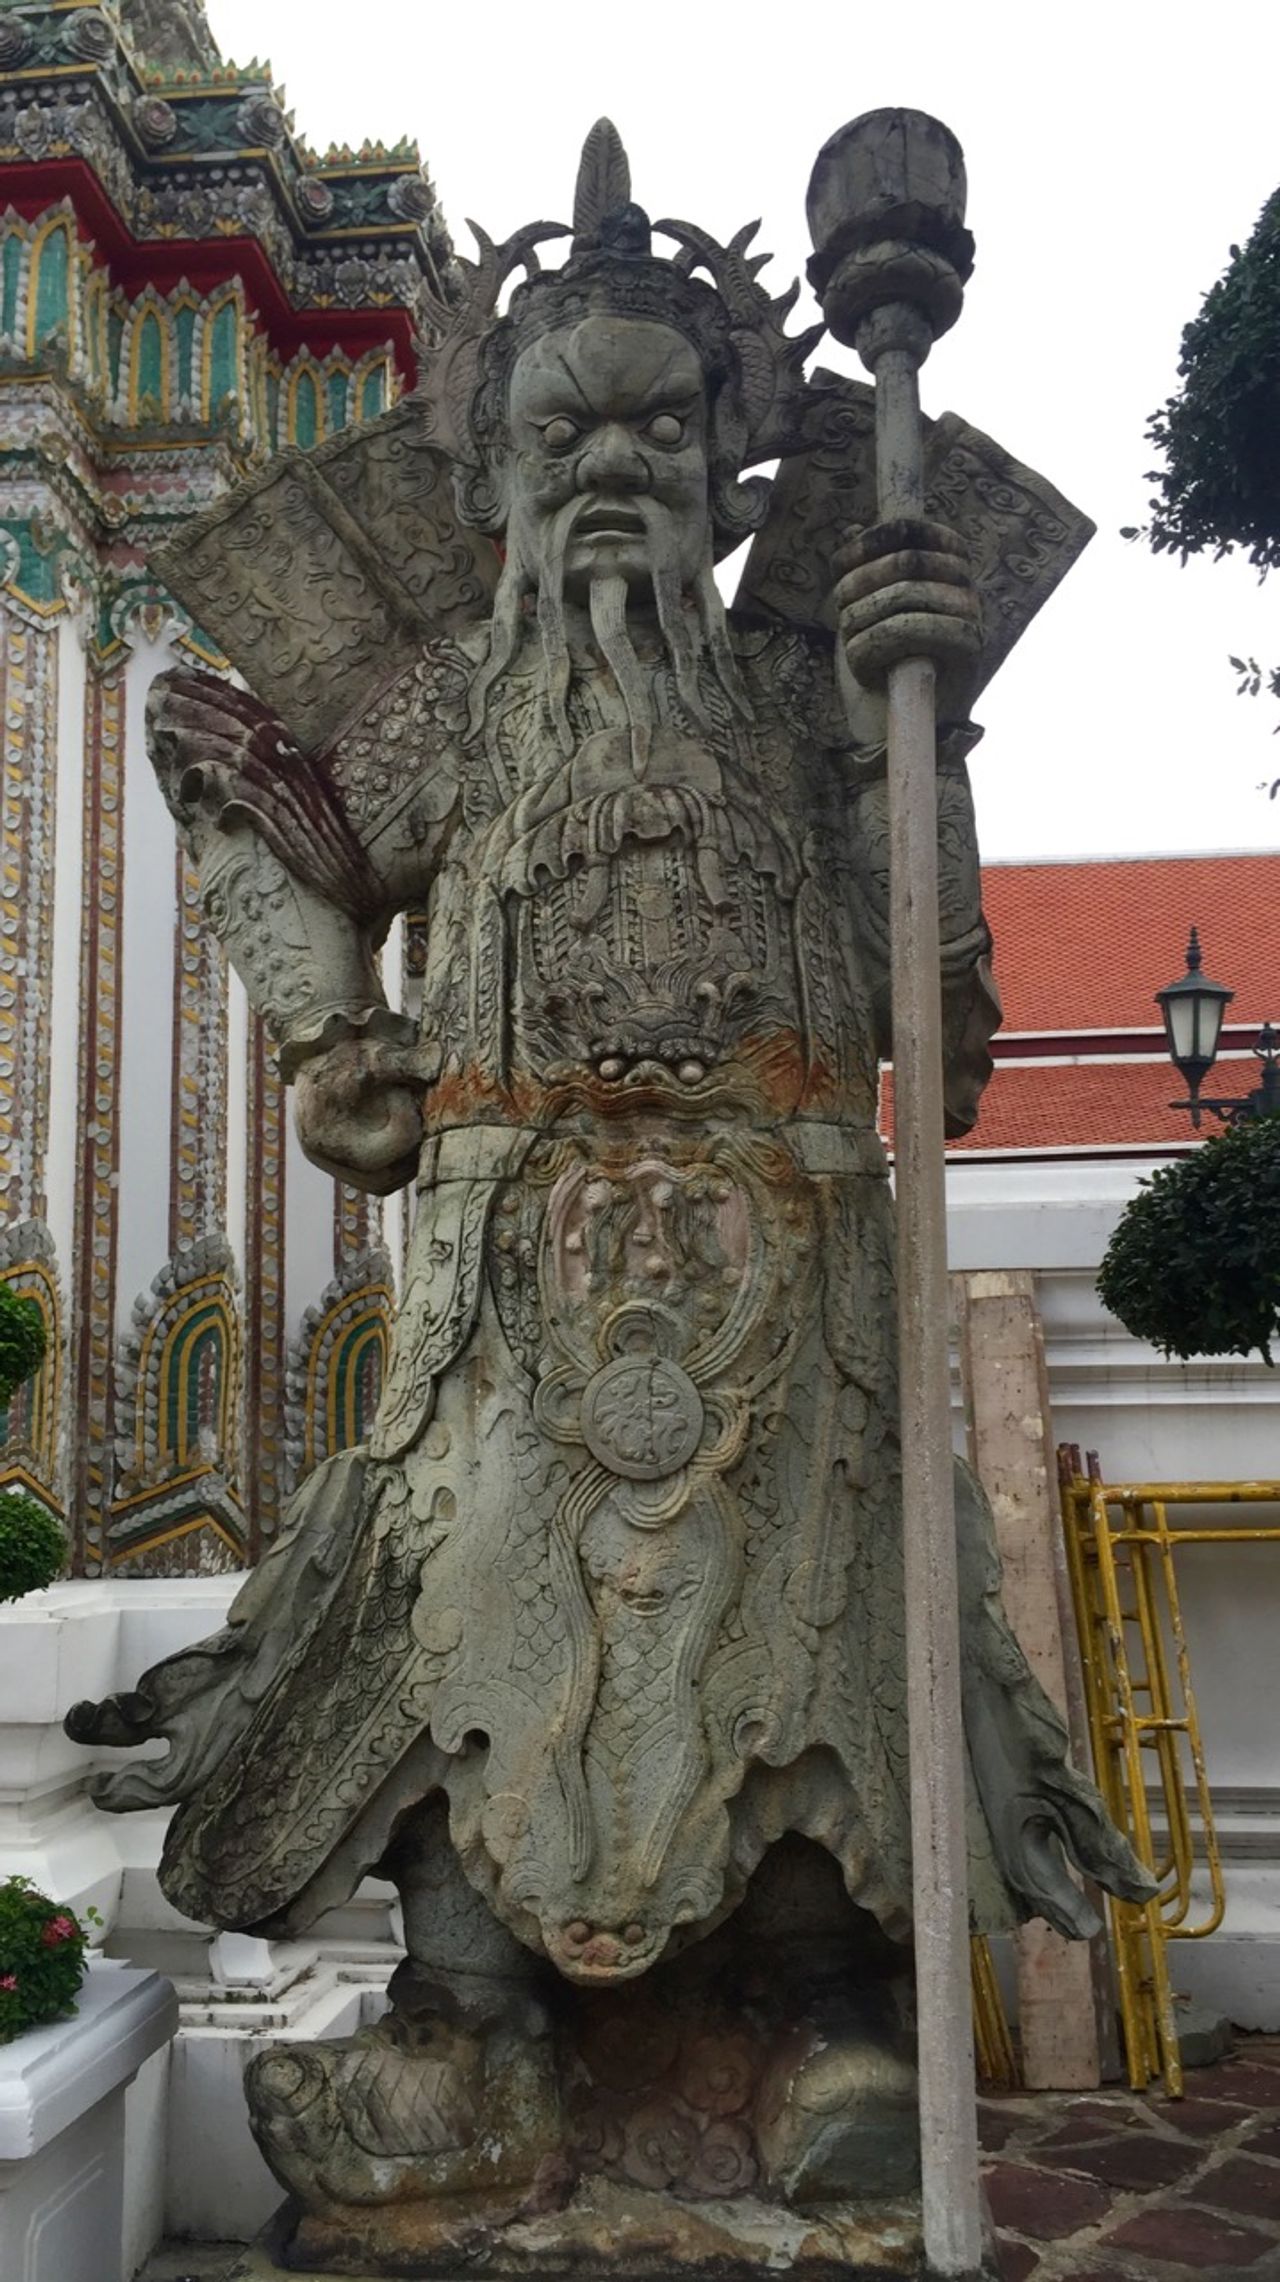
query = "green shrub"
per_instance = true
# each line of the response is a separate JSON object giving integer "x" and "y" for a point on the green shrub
{"x": 42, "y": 1958}
{"x": 22, "y": 1340}
{"x": 33, "y": 1550}
{"x": 1194, "y": 1264}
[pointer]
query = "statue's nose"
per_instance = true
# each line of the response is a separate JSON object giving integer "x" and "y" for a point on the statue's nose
{"x": 613, "y": 462}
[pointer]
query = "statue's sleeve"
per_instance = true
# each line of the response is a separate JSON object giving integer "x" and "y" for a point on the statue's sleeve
{"x": 970, "y": 999}
{"x": 285, "y": 882}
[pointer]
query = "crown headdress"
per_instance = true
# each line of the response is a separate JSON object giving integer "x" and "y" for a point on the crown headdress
{"x": 705, "y": 290}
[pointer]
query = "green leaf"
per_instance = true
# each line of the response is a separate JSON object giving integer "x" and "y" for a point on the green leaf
{"x": 22, "y": 1340}
{"x": 33, "y": 1549}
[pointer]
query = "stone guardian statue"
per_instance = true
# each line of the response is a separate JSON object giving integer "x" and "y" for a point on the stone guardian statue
{"x": 595, "y": 1646}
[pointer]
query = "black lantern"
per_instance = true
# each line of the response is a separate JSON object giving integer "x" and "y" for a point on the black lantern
{"x": 1193, "y": 1009}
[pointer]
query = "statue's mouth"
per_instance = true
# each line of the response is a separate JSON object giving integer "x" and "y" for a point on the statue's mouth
{"x": 610, "y": 522}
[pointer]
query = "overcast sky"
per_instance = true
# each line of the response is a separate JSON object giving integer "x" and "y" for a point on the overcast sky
{"x": 1114, "y": 155}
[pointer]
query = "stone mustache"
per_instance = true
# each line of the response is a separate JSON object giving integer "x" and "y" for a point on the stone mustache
{"x": 596, "y": 1646}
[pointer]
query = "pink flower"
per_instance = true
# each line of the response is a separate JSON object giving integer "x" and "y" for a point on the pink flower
{"x": 8, "y": 1980}
{"x": 59, "y": 1929}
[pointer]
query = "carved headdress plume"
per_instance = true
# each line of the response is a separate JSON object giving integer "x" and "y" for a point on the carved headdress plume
{"x": 705, "y": 290}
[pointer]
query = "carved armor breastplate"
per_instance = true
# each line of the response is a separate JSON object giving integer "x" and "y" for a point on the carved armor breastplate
{"x": 649, "y": 920}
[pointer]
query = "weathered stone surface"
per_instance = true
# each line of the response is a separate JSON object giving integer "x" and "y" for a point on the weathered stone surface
{"x": 595, "y": 1647}
{"x": 1241, "y": 2081}
{"x": 1244, "y": 2186}
{"x": 1202, "y": 2118}
{"x": 633, "y": 2234}
{"x": 1018, "y": 2262}
{"x": 1191, "y": 2241}
{"x": 1087, "y": 2120}
{"x": 1042, "y": 2204}
{"x": 1204, "y": 2036}
{"x": 996, "y": 2124}
{"x": 1134, "y": 2159}
{"x": 1033, "y": 2128}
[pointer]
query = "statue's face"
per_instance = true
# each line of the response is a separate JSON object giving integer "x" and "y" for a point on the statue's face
{"x": 610, "y": 412}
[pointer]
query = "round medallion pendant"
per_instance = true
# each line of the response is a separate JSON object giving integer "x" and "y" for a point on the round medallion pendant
{"x": 642, "y": 1417}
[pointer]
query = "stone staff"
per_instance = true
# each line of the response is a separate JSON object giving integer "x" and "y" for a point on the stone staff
{"x": 892, "y": 255}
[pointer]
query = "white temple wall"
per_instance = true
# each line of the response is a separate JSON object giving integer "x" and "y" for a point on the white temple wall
{"x": 237, "y": 1116}
{"x": 394, "y": 1213}
{"x": 148, "y": 916}
{"x": 68, "y": 894}
{"x": 1155, "y": 1420}
{"x": 1149, "y": 1419}
{"x": 308, "y": 1230}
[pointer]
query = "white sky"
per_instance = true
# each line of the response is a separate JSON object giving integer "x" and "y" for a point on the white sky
{"x": 1114, "y": 155}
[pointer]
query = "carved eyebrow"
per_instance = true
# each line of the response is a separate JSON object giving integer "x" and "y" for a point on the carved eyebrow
{"x": 657, "y": 396}
{"x": 662, "y": 378}
{"x": 566, "y": 373}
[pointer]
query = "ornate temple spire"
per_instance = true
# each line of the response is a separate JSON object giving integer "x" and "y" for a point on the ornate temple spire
{"x": 170, "y": 34}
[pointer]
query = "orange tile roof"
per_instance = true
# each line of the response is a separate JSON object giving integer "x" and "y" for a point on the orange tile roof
{"x": 1093, "y": 1105}
{"x": 1084, "y": 1105}
{"x": 1083, "y": 946}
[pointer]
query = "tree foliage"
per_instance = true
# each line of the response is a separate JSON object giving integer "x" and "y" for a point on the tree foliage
{"x": 22, "y": 1340}
{"x": 1194, "y": 1264}
{"x": 33, "y": 1549}
{"x": 1219, "y": 434}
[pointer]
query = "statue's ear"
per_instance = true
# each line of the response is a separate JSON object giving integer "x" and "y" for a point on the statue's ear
{"x": 481, "y": 496}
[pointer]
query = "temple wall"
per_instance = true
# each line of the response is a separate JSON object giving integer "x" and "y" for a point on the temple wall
{"x": 67, "y": 889}
{"x": 1152, "y": 1419}
{"x": 147, "y": 929}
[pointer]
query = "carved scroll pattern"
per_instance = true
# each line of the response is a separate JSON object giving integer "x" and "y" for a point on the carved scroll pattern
{"x": 29, "y": 657}
{"x": 324, "y": 578}
{"x": 1023, "y": 536}
{"x": 98, "y": 1120}
{"x": 198, "y": 1151}
{"x": 264, "y": 1329}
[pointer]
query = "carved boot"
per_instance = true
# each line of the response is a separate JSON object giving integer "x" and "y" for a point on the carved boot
{"x": 417, "y": 2106}
{"x": 836, "y": 2111}
{"x": 836, "y": 2114}
{"x": 453, "y": 2096}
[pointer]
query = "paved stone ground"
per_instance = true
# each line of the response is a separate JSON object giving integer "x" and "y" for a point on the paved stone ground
{"x": 1109, "y": 2187}
{"x": 1117, "y": 2187}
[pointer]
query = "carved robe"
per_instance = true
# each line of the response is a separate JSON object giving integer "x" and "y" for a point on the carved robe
{"x": 619, "y": 1570}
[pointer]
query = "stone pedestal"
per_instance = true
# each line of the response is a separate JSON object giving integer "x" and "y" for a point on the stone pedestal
{"x": 62, "y": 2129}
{"x": 611, "y": 2233}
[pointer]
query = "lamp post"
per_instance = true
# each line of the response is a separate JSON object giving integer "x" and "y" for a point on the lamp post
{"x": 1193, "y": 1009}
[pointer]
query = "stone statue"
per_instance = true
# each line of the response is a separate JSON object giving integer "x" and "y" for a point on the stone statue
{"x": 595, "y": 1647}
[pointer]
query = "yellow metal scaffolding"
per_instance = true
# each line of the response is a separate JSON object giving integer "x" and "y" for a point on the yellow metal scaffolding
{"x": 997, "y": 2062}
{"x": 1143, "y": 1723}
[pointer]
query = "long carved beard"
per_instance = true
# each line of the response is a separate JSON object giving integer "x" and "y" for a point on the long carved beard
{"x": 692, "y": 623}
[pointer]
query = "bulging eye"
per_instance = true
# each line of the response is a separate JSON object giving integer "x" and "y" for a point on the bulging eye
{"x": 665, "y": 428}
{"x": 559, "y": 433}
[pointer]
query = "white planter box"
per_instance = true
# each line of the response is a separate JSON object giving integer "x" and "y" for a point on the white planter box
{"x": 62, "y": 2129}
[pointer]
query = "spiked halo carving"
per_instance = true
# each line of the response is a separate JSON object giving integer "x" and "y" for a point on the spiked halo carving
{"x": 595, "y": 1647}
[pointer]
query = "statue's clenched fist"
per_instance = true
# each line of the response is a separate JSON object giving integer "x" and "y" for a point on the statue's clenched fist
{"x": 358, "y": 1110}
{"x": 905, "y": 591}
